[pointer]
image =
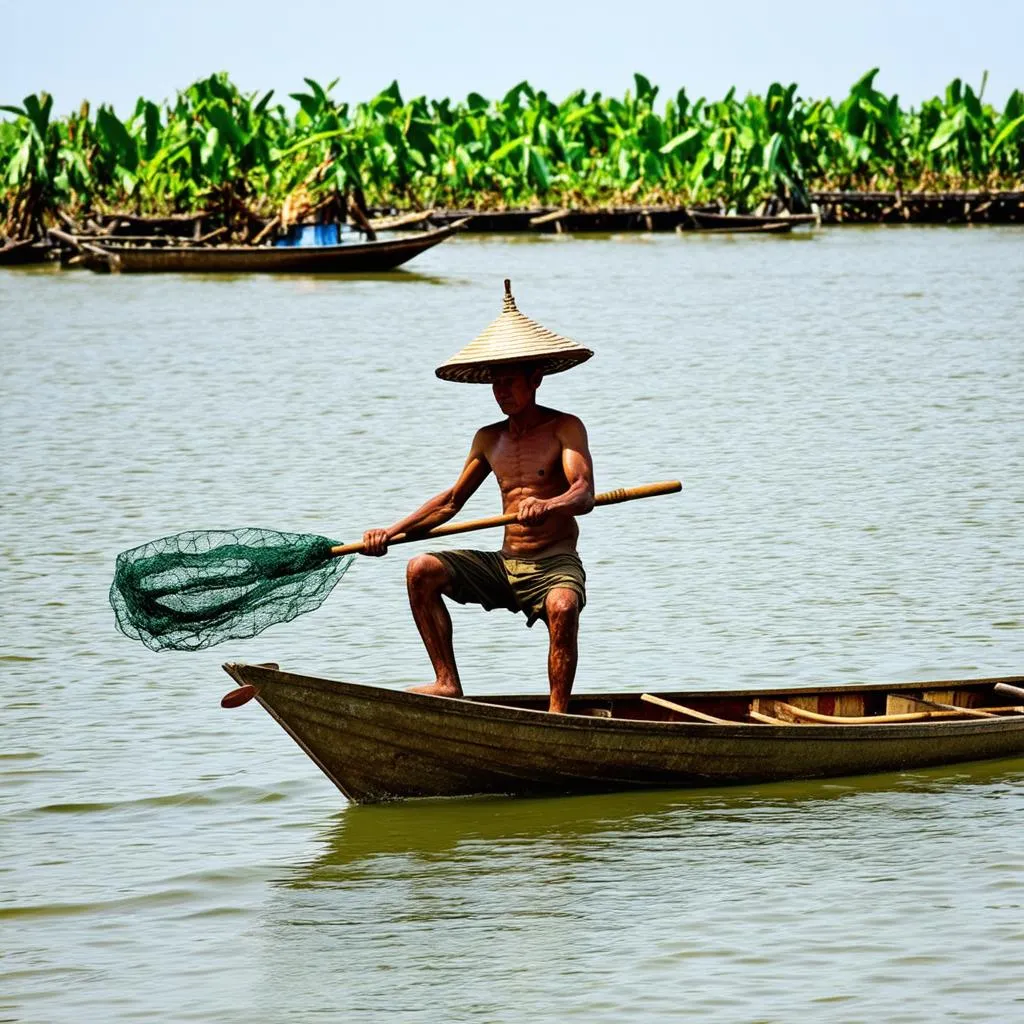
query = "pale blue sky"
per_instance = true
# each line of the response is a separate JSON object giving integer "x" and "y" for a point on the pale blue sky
{"x": 114, "y": 51}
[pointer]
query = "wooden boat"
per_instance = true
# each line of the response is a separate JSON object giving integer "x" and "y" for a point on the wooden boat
{"x": 705, "y": 221}
{"x": 349, "y": 258}
{"x": 549, "y": 219}
{"x": 376, "y": 744}
{"x": 23, "y": 253}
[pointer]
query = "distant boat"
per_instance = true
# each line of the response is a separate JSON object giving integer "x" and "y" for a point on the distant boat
{"x": 379, "y": 744}
{"x": 348, "y": 258}
{"x": 18, "y": 254}
{"x": 749, "y": 222}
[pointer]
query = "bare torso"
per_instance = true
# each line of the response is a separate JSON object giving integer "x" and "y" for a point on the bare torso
{"x": 528, "y": 464}
{"x": 541, "y": 459}
{"x": 542, "y": 463}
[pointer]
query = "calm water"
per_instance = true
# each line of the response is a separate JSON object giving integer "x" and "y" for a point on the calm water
{"x": 847, "y": 412}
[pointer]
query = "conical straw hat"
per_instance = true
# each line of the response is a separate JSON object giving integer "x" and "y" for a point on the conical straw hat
{"x": 512, "y": 338}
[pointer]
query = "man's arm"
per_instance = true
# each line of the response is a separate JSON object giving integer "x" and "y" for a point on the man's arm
{"x": 441, "y": 507}
{"x": 578, "y": 467}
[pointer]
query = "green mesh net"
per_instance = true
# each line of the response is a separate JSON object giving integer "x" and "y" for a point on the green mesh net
{"x": 200, "y": 588}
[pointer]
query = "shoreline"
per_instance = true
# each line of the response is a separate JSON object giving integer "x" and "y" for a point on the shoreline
{"x": 831, "y": 209}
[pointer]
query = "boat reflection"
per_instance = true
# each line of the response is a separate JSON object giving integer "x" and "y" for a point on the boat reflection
{"x": 360, "y": 837}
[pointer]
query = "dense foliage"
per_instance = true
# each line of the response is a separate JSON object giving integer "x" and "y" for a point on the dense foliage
{"x": 217, "y": 148}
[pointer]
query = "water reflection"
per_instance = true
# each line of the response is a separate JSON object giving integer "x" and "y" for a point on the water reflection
{"x": 587, "y": 908}
{"x": 430, "y": 830}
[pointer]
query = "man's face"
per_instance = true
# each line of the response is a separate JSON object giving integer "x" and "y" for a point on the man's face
{"x": 514, "y": 388}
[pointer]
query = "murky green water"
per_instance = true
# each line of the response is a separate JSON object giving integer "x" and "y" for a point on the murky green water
{"x": 847, "y": 412}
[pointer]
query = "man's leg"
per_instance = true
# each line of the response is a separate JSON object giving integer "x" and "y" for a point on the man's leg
{"x": 428, "y": 580}
{"x": 562, "y": 610}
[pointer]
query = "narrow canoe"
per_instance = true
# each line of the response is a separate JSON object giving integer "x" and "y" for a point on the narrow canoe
{"x": 19, "y": 254}
{"x": 377, "y": 744}
{"x": 351, "y": 258}
{"x": 748, "y": 222}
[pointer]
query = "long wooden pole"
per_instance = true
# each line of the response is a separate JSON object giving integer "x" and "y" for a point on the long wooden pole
{"x": 608, "y": 498}
{"x": 682, "y": 709}
{"x": 970, "y": 712}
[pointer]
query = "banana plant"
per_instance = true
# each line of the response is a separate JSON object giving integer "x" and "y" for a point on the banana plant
{"x": 873, "y": 132}
{"x": 213, "y": 147}
{"x": 33, "y": 167}
{"x": 1007, "y": 149}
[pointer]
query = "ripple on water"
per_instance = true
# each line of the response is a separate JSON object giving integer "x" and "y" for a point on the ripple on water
{"x": 851, "y": 510}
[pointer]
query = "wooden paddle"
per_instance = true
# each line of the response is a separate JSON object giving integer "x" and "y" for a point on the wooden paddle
{"x": 202, "y": 587}
{"x": 608, "y": 498}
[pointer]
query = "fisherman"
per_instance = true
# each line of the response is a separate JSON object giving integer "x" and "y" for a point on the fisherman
{"x": 542, "y": 463}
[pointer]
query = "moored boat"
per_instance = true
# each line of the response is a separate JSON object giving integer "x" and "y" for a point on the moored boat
{"x": 23, "y": 253}
{"x": 378, "y": 744}
{"x": 353, "y": 257}
{"x": 743, "y": 222}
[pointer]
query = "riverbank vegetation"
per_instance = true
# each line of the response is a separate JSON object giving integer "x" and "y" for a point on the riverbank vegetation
{"x": 248, "y": 157}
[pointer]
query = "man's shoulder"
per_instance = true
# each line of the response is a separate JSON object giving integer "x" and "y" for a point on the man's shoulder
{"x": 492, "y": 428}
{"x": 487, "y": 435}
{"x": 555, "y": 420}
{"x": 566, "y": 420}
{"x": 555, "y": 415}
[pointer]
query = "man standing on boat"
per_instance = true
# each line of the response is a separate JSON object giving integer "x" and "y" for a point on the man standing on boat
{"x": 542, "y": 462}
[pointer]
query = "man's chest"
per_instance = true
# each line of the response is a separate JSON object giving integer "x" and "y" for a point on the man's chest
{"x": 527, "y": 460}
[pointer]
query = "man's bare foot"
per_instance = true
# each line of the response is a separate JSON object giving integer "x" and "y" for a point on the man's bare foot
{"x": 438, "y": 689}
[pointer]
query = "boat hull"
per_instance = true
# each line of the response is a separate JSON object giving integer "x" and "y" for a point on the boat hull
{"x": 744, "y": 223}
{"x": 377, "y": 744}
{"x": 21, "y": 254}
{"x": 358, "y": 258}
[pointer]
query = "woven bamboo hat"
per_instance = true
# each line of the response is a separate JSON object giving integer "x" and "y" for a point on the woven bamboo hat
{"x": 512, "y": 338}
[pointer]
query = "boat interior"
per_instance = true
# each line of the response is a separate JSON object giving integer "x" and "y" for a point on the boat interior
{"x": 838, "y": 706}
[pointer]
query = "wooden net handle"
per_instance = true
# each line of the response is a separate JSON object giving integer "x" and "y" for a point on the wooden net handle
{"x": 608, "y": 498}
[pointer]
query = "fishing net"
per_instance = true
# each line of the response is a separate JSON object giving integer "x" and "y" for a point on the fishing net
{"x": 200, "y": 588}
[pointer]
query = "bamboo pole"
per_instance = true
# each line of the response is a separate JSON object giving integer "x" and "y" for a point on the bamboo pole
{"x": 970, "y": 712}
{"x": 608, "y": 498}
{"x": 767, "y": 719}
{"x": 682, "y": 709}
{"x": 814, "y": 717}
{"x": 402, "y": 220}
{"x": 77, "y": 243}
{"x": 548, "y": 218}
{"x": 273, "y": 223}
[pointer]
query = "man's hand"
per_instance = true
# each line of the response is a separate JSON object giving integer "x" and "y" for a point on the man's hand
{"x": 532, "y": 510}
{"x": 375, "y": 543}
